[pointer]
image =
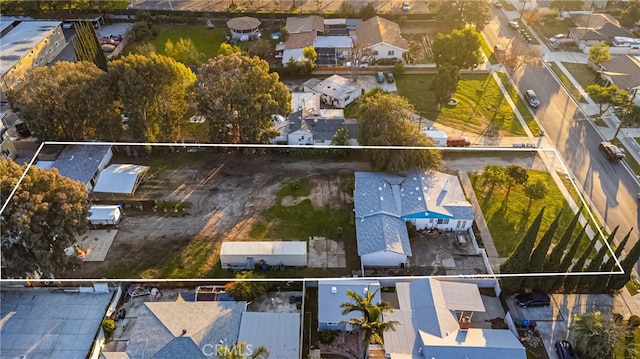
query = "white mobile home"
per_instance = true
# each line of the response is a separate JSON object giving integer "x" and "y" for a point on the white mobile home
{"x": 105, "y": 215}
{"x": 289, "y": 253}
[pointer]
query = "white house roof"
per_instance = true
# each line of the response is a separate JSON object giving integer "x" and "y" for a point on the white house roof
{"x": 103, "y": 212}
{"x": 338, "y": 42}
{"x": 337, "y": 87}
{"x": 331, "y": 294}
{"x": 264, "y": 248}
{"x": 21, "y": 39}
{"x": 295, "y": 54}
{"x": 119, "y": 178}
{"x": 279, "y": 332}
{"x": 435, "y": 133}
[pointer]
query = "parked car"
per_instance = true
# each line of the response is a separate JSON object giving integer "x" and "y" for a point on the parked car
{"x": 533, "y": 299}
{"x": 514, "y": 24}
{"x": 532, "y": 98}
{"x": 564, "y": 349}
{"x": 611, "y": 151}
{"x": 389, "y": 77}
{"x": 405, "y": 6}
{"x": 455, "y": 141}
{"x": 379, "y": 77}
{"x": 557, "y": 37}
{"x": 497, "y": 4}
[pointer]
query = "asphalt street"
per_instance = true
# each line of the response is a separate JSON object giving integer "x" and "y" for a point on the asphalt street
{"x": 610, "y": 187}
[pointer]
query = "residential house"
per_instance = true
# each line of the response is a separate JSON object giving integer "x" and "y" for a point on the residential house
{"x": 313, "y": 23}
{"x": 294, "y": 46}
{"x": 384, "y": 202}
{"x": 382, "y": 39}
{"x": 316, "y": 127}
{"x": 332, "y": 293}
{"x": 435, "y": 321}
{"x": 80, "y": 163}
{"x": 338, "y": 91}
{"x": 624, "y": 72}
{"x": 27, "y": 45}
{"x": 7, "y": 148}
{"x": 593, "y": 28}
{"x": 330, "y": 49}
{"x": 244, "y": 28}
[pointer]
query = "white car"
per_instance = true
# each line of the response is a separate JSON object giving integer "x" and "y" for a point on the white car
{"x": 514, "y": 24}
{"x": 557, "y": 37}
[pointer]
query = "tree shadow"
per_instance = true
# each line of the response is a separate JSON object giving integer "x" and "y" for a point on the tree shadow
{"x": 522, "y": 225}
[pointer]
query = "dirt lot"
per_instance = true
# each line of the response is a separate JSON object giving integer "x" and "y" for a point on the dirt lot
{"x": 226, "y": 193}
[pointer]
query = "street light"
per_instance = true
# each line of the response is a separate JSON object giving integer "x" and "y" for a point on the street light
{"x": 524, "y": 3}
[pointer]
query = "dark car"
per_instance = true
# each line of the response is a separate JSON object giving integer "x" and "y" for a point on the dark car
{"x": 565, "y": 350}
{"x": 389, "y": 77}
{"x": 532, "y": 98}
{"x": 611, "y": 151}
{"x": 533, "y": 300}
{"x": 379, "y": 77}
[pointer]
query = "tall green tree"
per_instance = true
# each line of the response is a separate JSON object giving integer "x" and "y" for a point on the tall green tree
{"x": 238, "y": 95}
{"x": 371, "y": 325}
{"x": 367, "y": 12}
{"x": 567, "y": 5}
{"x": 585, "y": 282}
{"x": 552, "y": 263}
{"x": 87, "y": 47}
{"x": 567, "y": 260}
{"x": 246, "y": 290}
{"x": 445, "y": 83}
{"x": 599, "y": 53}
{"x": 606, "y": 97}
{"x": 535, "y": 191}
{"x": 600, "y": 285}
{"x": 631, "y": 14}
{"x": 153, "y": 93}
{"x": 495, "y": 175}
{"x": 461, "y": 13}
{"x": 516, "y": 175}
{"x": 597, "y": 335}
{"x": 385, "y": 121}
{"x": 572, "y": 281}
{"x": 46, "y": 214}
{"x": 519, "y": 259}
{"x": 67, "y": 102}
{"x": 184, "y": 51}
{"x": 341, "y": 137}
{"x": 616, "y": 282}
{"x": 460, "y": 48}
{"x": 537, "y": 259}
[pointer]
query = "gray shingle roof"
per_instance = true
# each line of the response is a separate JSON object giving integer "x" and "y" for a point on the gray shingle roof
{"x": 382, "y": 232}
{"x": 158, "y": 330}
{"x": 374, "y": 193}
{"x": 329, "y": 310}
{"x": 80, "y": 162}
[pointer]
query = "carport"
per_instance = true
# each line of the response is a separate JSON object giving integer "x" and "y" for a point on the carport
{"x": 120, "y": 178}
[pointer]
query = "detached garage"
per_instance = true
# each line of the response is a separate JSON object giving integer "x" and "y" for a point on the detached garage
{"x": 105, "y": 215}
{"x": 272, "y": 253}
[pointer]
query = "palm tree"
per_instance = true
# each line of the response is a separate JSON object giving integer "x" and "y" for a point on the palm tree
{"x": 241, "y": 350}
{"x": 371, "y": 325}
{"x": 597, "y": 335}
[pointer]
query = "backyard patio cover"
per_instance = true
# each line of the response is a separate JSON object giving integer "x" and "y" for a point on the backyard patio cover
{"x": 120, "y": 178}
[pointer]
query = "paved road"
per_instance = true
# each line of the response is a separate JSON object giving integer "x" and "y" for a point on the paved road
{"x": 610, "y": 187}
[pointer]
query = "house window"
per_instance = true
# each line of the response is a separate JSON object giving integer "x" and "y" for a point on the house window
{"x": 461, "y": 224}
{"x": 332, "y": 324}
{"x": 347, "y": 98}
{"x": 431, "y": 220}
{"x": 375, "y": 52}
{"x": 443, "y": 221}
{"x": 390, "y": 53}
{"x": 301, "y": 138}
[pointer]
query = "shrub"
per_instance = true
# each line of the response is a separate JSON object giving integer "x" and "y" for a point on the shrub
{"x": 633, "y": 322}
{"x": 349, "y": 184}
{"x": 108, "y": 327}
{"x": 326, "y": 337}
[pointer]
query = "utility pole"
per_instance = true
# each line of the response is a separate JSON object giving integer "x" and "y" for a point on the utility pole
{"x": 524, "y": 4}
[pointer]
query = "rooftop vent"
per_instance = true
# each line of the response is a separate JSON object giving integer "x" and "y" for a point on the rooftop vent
{"x": 334, "y": 290}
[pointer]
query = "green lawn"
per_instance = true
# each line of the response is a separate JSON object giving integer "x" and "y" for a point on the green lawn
{"x": 508, "y": 221}
{"x": 520, "y": 104}
{"x": 573, "y": 91}
{"x": 582, "y": 73}
{"x": 549, "y": 26}
{"x": 481, "y": 107}
{"x": 206, "y": 40}
{"x": 488, "y": 51}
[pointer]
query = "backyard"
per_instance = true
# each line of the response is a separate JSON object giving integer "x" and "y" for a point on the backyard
{"x": 205, "y": 40}
{"x": 481, "y": 107}
{"x": 509, "y": 217}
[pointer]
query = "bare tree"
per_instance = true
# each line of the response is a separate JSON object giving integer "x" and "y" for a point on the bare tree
{"x": 357, "y": 55}
{"x": 519, "y": 54}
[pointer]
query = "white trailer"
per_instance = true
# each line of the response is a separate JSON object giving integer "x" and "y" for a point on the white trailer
{"x": 105, "y": 215}
{"x": 439, "y": 137}
{"x": 288, "y": 253}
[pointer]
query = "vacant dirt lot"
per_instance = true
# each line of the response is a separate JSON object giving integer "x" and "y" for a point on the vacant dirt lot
{"x": 226, "y": 193}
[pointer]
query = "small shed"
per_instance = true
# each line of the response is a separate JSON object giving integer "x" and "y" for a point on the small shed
{"x": 244, "y": 28}
{"x": 289, "y": 253}
{"x": 121, "y": 179}
{"x": 105, "y": 215}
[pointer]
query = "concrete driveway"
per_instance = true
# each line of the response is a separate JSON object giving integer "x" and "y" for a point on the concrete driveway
{"x": 368, "y": 82}
{"x": 553, "y": 322}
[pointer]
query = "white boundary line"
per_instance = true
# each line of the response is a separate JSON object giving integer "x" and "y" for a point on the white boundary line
{"x": 268, "y": 146}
